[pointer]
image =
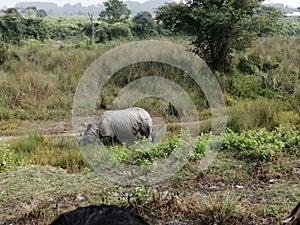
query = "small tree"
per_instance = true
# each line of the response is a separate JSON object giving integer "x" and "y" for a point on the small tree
{"x": 220, "y": 27}
{"x": 143, "y": 24}
{"x": 41, "y": 13}
{"x": 115, "y": 11}
{"x": 94, "y": 28}
{"x": 30, "y": 11}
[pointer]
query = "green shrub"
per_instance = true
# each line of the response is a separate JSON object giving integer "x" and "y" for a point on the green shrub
{"x": 255, "y": 63}
{"x": 119, "y": 31}
{"x": 7, "y": 160}
{"x": 201, "y": 146}
{"x": 3, "y": 52}
{"x": 261, "y": 145}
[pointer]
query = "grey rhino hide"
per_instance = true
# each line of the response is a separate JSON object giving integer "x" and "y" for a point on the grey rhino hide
{"x": 119, "y": 126}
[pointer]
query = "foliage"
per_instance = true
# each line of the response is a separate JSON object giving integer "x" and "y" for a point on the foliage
{"x": 267, "y": 21}
{"x": 109, "y": 32}
{"x": 39, "y": 150}
{"x": 143, "y": 24}
{"x": 27, "y": 144}
{"x": 14, "y": 27}
{"x": 66, "y": 28}
{"x": 4, "y": 55}
{"x": 235, "y": 23}
{"x": 261, "y": 145}
{"x": 254, "y": 64}
{"x": 290, "y": 27}
{"x": 257, "y": 113}
{"x": 7, "y": 161}
{"x": 119, "y": 31}
{"x": 115, "y": 11}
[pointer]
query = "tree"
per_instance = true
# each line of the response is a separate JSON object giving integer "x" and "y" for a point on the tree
{"x": 93, "y": 27}
{"x": 30, "y": 11}
{"x": 14, "y": 27}
{"x": 11, "y": 26}
{"x": 115, "y": 11}
{"x": 219, "y": 27}
{"x": 266, "y": 21}
{"x": 11, "y": 12}
{"x": 41, "y": 13}
{"x": 143, "y": 24}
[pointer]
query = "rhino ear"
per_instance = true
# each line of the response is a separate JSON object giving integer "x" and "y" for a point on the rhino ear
{"x": 87, "y": 125}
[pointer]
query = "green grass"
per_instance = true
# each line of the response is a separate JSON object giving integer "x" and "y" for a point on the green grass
{"x": 211, "y": 197}
{"x": 251, "y": 181}
{"x": 237, "y": 188}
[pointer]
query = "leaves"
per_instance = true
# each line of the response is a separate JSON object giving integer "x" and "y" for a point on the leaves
{"x": 115, "y": 11}
{"x": 262, "y": 145}
{"x": 220, "y": 27}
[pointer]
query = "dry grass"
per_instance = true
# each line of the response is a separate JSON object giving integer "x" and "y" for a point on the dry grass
{"x": 36, "y": 194}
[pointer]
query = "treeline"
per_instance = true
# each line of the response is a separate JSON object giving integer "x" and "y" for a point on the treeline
{"x": 15, "y": 28}
{"x": 110, "y": 24}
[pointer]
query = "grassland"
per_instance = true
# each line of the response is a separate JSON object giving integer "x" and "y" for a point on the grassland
{"x": 253, "y": 180}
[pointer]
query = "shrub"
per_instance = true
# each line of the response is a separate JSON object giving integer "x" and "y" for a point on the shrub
{"x": 255, "y": 63}
{"x": 118, "y": 31}
{"x": 3, "y": 52}
{"x": 261, "y": 145}
{"x": 6, "y": 157}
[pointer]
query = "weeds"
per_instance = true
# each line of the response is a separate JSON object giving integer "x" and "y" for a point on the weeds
{"x": 261, "y": 145}
{"x": 7, "y": 161}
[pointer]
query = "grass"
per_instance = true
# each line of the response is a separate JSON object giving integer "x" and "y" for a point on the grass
{"x": 38, "y": 82}
{"x": 253, "y": 180}
{"x": 212, "y": 197}
{"x": 233, "y": 190}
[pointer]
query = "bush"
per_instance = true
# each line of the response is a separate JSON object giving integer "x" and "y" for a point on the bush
{"x": 119, "y": 31}
{"x": 262, "y": 145}
{"x": 4, "y": 55}
{"x": 255, "y": 63}
{"x": 6, "y": 157}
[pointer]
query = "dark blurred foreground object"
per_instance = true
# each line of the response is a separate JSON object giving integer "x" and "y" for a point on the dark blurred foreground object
{"x": 294, "y": 217}
{"x": 99, "y": 215}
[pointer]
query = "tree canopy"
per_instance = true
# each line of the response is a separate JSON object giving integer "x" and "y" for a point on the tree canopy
{"x": 219, "y": 27}
{"x": 143, "y": 24}
{"x": 14, "y": 27}
{"x": 115, "y": 11}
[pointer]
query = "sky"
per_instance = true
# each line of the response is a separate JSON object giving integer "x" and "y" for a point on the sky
{"x": 11, "y": 3}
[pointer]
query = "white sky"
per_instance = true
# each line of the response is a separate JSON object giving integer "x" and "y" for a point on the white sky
{"x": 11, "y": 3}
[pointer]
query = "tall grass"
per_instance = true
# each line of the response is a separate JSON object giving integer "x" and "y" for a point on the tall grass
{"x": 61, "y": 152}
{"x": 38, "y": 82}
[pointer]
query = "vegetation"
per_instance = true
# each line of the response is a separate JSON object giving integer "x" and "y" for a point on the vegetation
{"x": 14, "y": 27}
{"x": 115, "y": 11}
{"x": 233, "y": 185}
{"x": 253, "y": 180}
{"x": 143, "y": 24}
{"x": 236, "y": 24}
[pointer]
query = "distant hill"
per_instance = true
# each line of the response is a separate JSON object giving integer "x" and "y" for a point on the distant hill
{"x": 78, "y": 9}
{"x": 282, "y": 7}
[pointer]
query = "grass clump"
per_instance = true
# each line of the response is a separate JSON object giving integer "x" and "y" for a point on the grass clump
{"x": 61, "y": 152}
{"x": 28, "y": 143}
